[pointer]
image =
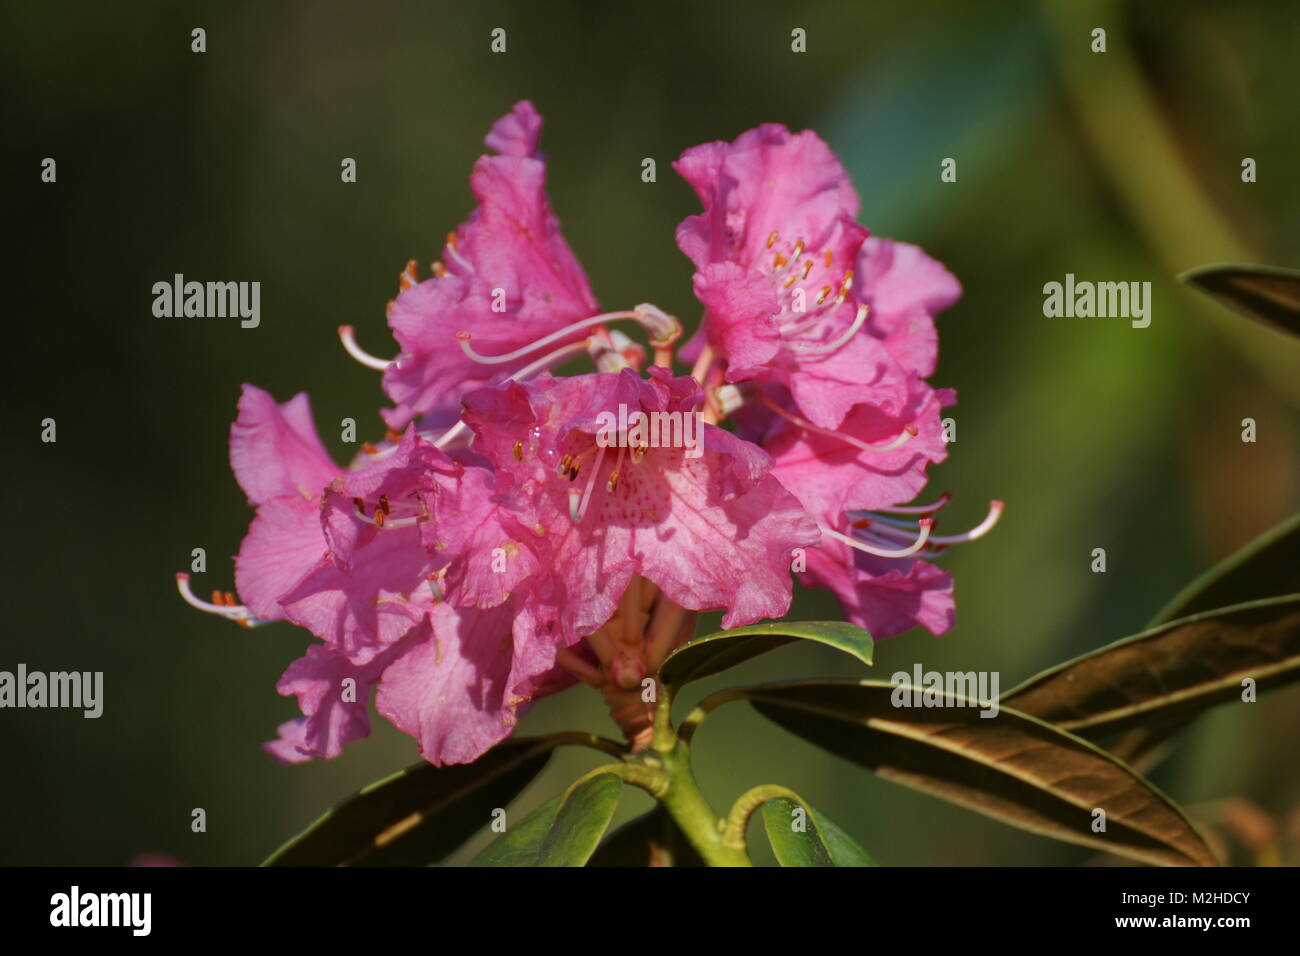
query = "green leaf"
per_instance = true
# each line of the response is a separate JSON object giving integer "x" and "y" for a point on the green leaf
{"x": 1011, "y": 767}
{"x": 819, "y": 843}
{"x": 1170, "y": 674}
{"x": 1266, "y": 567}
{"x": 582, "y": 819}
{"x": 714, "y": 653}
{"x": 519, "y": 845}
{"x": 419, "y": 815}
{"x": 1269, "y": 294}
{"x": 652, "y": 839}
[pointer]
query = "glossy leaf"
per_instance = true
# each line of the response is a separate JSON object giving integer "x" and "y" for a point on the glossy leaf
{"x": 1268, "y": 294}
{"x": 650, "y": 840}
{"x": 1011, "y": 767}
{"x": 1266, "y": 567}
{"x": 1171, "y": 673}
{"x": 819, "y": 843}
{"x": 420, "y": 814}
{"x": 580, "y": 821}
{"x": 714, "y": 653}
{"x": 520, "y": 844}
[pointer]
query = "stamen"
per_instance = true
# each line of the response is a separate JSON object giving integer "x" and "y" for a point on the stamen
{"x": 840, "y": 342}
{"x": 347, "y": 334}
{"x": 979, "y": 531}
{"x": 454, "y": 253}
{"x": 729, "y": 398}
{"x": 845, "y": 286}
{"x": 380, "y": 514}
{"x": 807, "y": 268}
{"x": 925, "y": 525}
{"x": 577, "y": 516}
{"x": 225, "y": 608}
{"x": 409, "y": 276}
{"x": 664, "y": 329}
{"x": 613, "y": 352}
{"x": 518, "y": 450}
{"x": 771, "y": 240}
{"x": 576, "y": 462}
{"x": 612, "y": 484}
{"x": 542, "y": 363}
{"x": 380, "y": 521}
{"x": 920, "y": 509}
{"x": 907, "y": 434}
{"x": 659, "y": 324}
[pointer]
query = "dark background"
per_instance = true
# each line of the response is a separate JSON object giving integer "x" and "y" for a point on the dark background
{"x": 225, "y": 166}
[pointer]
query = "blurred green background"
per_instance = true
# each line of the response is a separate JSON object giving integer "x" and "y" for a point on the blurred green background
{"x": 225, "y": 165}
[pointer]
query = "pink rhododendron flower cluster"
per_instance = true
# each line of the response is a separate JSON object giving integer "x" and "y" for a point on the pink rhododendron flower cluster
{"x": 501, "y": 542}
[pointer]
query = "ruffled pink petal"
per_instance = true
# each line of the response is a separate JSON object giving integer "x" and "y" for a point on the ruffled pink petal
{"x": 830, "y": 476}
{"x": 457, "y": 690}
{"x": 518, "y": 132}
{"x": 334, "y": 696}
{"x": 768, "y": 180}
{"x": 742, "y": 306}
{"x": 283, "y": 545}
{"x": 898, "y": 278}
{"x": 511, "y": 279}
{"x": 826, "y": 387}
{"x": 274, "y": 449}
{"x": 484, "y": 546}
{"x": 713, "y": 531}
{"x": 886, "y": 597}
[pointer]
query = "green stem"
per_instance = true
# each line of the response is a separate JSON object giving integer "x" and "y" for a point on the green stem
{"x": 670, "y": 757}
{"x": 733, "y": 835}
{"x": 693, "y": 815}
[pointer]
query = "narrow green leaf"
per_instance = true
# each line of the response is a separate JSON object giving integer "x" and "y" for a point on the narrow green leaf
{"x": 801, "y": 836}
{"x": 714, "y": 653}
{"x": 519, "y": 845}
{"x": 582, "y": 819}
{"x": 419, "y": 815}
{"x": 652, "y": 839}
{"x": 1266, "y": 567}
{"x": 1010, "y": 767}
{"x": 1168, "y": 675}
{"x": 1269, "y": 294}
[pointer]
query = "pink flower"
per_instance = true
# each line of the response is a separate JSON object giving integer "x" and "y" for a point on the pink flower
{"x": 687, "y": 506}
{"x": 774, "y": 252}
{"x": 340, "y": 553}
{"x": 833, "y": 334}
{"x": 506, "y": 275}
{"x": 522, "y": 531}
